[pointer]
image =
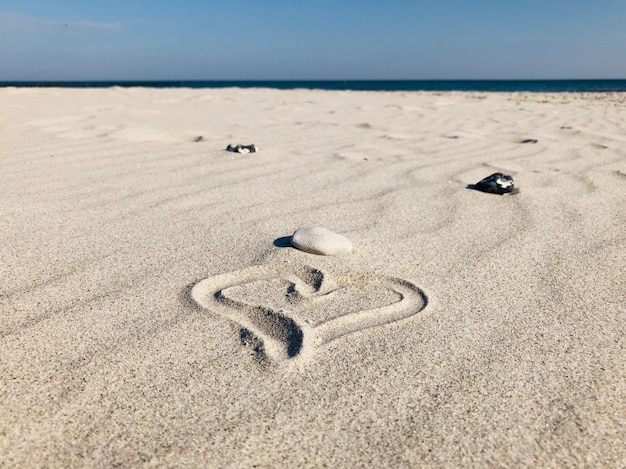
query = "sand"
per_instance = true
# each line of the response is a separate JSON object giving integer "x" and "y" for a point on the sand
{"x": 154, "y": 314}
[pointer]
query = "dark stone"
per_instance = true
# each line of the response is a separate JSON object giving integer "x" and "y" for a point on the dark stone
{"x": 497, "y": 183}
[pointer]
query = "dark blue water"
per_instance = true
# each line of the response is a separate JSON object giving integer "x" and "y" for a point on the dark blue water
{"x": 358, "y": 85}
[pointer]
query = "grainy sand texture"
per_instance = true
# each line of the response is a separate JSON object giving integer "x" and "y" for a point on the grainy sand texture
{"x": 153, "y": 312}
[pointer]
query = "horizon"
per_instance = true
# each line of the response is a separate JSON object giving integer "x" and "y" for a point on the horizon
{"x": 318, "y": 80}
{"x": 242, "y": 40}
{"x": 397, "y": 85}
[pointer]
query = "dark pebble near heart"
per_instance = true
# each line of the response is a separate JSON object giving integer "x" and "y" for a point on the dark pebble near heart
{"x": 496, "y": 183}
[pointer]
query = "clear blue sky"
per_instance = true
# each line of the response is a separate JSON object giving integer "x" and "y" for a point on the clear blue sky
{"x": 311, "y": 39}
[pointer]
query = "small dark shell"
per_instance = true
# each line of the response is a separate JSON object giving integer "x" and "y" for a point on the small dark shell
{"x": 497, "y": 183}
{"x": 242, "y": 148}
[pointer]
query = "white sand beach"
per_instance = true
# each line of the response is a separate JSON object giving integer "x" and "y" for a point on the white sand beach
{"x": 154, "y": 314}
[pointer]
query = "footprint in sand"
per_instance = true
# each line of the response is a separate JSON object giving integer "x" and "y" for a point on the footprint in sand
{"x": 296, "y": 309}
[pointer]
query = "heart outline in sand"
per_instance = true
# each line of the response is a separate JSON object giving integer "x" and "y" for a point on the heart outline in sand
{"x": 284, "y": 334}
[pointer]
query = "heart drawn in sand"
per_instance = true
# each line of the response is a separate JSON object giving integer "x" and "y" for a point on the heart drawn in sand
{"x": 295, "y": 309}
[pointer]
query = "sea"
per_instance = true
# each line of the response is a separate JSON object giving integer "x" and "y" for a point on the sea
{"x": 543, "y": 86}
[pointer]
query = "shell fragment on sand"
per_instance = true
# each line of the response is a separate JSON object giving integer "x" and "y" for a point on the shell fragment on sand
{"x": 242, "y": 148}
{"x": 497, "y": 183}
{"x": 318, "y": 240}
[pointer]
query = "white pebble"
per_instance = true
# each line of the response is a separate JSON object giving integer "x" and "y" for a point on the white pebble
{"x": 318, "y": 240}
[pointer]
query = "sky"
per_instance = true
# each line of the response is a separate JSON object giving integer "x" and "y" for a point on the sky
{"x": 52, "y": 40}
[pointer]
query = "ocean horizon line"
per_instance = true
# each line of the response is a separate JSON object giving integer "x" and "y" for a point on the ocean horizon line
{"x": 503, "y": 85}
